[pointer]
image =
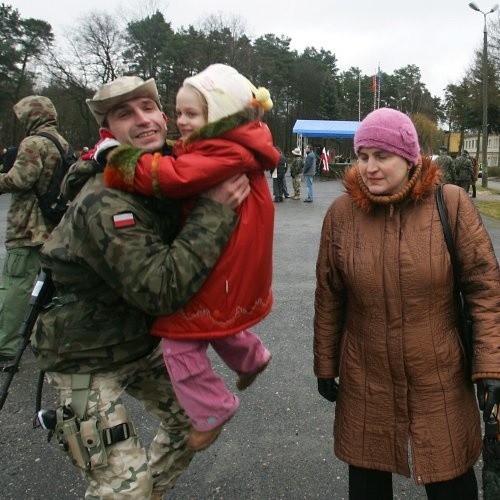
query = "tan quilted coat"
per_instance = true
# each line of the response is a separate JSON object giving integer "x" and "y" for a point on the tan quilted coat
{"x": 385, "y": 324}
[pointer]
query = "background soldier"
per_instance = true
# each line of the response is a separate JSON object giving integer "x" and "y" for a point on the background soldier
{"x": 464, "y": 171}
{"x": 296, "y": 169}
{"x": 445, "y": 163}
{"x": 27, "y": 230}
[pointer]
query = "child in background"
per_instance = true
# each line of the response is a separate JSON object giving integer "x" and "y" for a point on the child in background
{"x": 218, "y": 116}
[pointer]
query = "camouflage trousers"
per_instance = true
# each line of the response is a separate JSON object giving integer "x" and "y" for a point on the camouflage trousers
{"x": 129, "y": 473}
{"x": 296, "y": 185}
{"x": 20, "y": 269}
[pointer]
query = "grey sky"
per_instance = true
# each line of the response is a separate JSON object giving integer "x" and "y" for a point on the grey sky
{"x": 438, "y": 36}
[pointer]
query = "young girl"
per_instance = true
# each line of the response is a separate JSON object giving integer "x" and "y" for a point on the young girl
{"x": 218, "y": 116}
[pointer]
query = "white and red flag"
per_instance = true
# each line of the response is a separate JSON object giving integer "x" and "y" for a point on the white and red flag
{"x": 125, "y": 219}
{"x": 325, "y": 159}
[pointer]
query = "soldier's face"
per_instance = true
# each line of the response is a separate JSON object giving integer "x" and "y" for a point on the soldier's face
{"x": 138, "y": 122}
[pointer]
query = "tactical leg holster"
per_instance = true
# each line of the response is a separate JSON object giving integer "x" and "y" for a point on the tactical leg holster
{"x": 82, "y": 437}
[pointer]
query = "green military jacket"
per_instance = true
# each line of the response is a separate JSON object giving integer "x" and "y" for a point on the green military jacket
{"x": 36, "y": 160}
{"x": 445, "y": 163}
{"x": 297, "y": 166}
{"x": 464, "y": 170}
{"x": 116, "y": 265}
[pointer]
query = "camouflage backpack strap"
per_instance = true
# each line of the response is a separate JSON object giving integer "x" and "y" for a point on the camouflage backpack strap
{"x": 80, "y": 389}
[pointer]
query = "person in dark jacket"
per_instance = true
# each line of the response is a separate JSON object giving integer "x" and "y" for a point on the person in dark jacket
{"x": 309, "y": 172}
{"x": 279, "y": 189}
{"x": 8, "y": 158}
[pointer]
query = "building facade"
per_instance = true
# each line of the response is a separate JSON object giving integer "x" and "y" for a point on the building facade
{"x": 474, "y": 145}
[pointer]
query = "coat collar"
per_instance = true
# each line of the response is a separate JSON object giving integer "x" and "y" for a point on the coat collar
{"x": 422, "y": 183}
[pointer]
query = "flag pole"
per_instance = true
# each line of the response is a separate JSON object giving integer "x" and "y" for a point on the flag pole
{"x": 374, "y": 88}
{"x": 379, "y": 84}
{"x": 359, "y": 96}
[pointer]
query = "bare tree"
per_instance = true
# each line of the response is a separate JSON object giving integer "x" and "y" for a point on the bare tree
{"x": 89, "y": 56}
{"x": 224, "y": 36}
{"x": 98, "y": 41}
{"x": 494, "y": 41}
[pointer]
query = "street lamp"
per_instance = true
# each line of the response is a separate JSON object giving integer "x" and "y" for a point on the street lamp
{"x": 473, "y": 6}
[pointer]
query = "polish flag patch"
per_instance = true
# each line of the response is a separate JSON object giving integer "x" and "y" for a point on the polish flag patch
{"x": 124, "y": 220}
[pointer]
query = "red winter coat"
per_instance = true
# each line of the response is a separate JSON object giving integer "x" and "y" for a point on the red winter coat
{"x": 237, "y": 294}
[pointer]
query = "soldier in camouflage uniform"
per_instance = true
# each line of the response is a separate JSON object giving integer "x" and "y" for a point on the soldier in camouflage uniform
{"x": 445, "y": 163}
{"x": 117, "y": 259}
{"x": 464, "y": 170}
{"x": 296, "y": 169}
{"x": 27, "y": 230}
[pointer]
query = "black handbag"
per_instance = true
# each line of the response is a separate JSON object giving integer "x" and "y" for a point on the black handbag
{"x": 465, "y": 326}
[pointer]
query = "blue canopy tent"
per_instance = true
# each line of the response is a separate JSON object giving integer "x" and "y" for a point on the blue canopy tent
{"x": 325, "y": 128}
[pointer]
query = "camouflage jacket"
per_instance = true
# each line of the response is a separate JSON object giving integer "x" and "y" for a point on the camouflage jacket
{"x": 115, "y": 265}
{"x": 464, "y": 171}
{"x": 445, "y": 163}
{"x": 36, "y": 160}
{"x": 297, "y": 166}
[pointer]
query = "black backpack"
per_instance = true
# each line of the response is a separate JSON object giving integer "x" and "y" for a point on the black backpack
{"x": 53, "y": 203}
{"x": 9, "y": 159}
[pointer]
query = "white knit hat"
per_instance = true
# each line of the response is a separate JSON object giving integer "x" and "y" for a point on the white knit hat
{"x": 227, "y": 91}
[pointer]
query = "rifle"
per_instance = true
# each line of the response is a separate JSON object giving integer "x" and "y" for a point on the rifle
{"x": 40, "y": 297}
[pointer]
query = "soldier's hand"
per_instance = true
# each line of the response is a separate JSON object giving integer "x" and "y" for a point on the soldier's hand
{"x": 103, "y": 148}
{"x": 231, "y": 192}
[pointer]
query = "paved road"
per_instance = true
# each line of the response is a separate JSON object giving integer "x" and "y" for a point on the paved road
{"x": 493, "y": 183}
{"x": 278, "y": 446}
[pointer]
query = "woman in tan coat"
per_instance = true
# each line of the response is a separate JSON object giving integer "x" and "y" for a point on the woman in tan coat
{"x": 386, "y": 322}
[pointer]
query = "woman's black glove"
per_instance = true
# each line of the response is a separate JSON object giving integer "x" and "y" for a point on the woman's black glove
{"x": 328, "y": 388}
{"x": 488, "y": 395}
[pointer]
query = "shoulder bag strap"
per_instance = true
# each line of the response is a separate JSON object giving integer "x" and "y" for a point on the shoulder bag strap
{"x": 448, "y": 236}
{"x": 57, "y": 144}
{"x": 465, "y": 329}
{"x": 54, "y": 140}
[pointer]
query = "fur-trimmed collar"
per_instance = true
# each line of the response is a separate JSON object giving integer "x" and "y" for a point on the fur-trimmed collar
{"x": 220, "y": 127}
{"x": 421, "y": 184}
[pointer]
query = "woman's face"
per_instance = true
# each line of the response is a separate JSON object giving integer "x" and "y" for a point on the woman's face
{"x": 384, "y": 173}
